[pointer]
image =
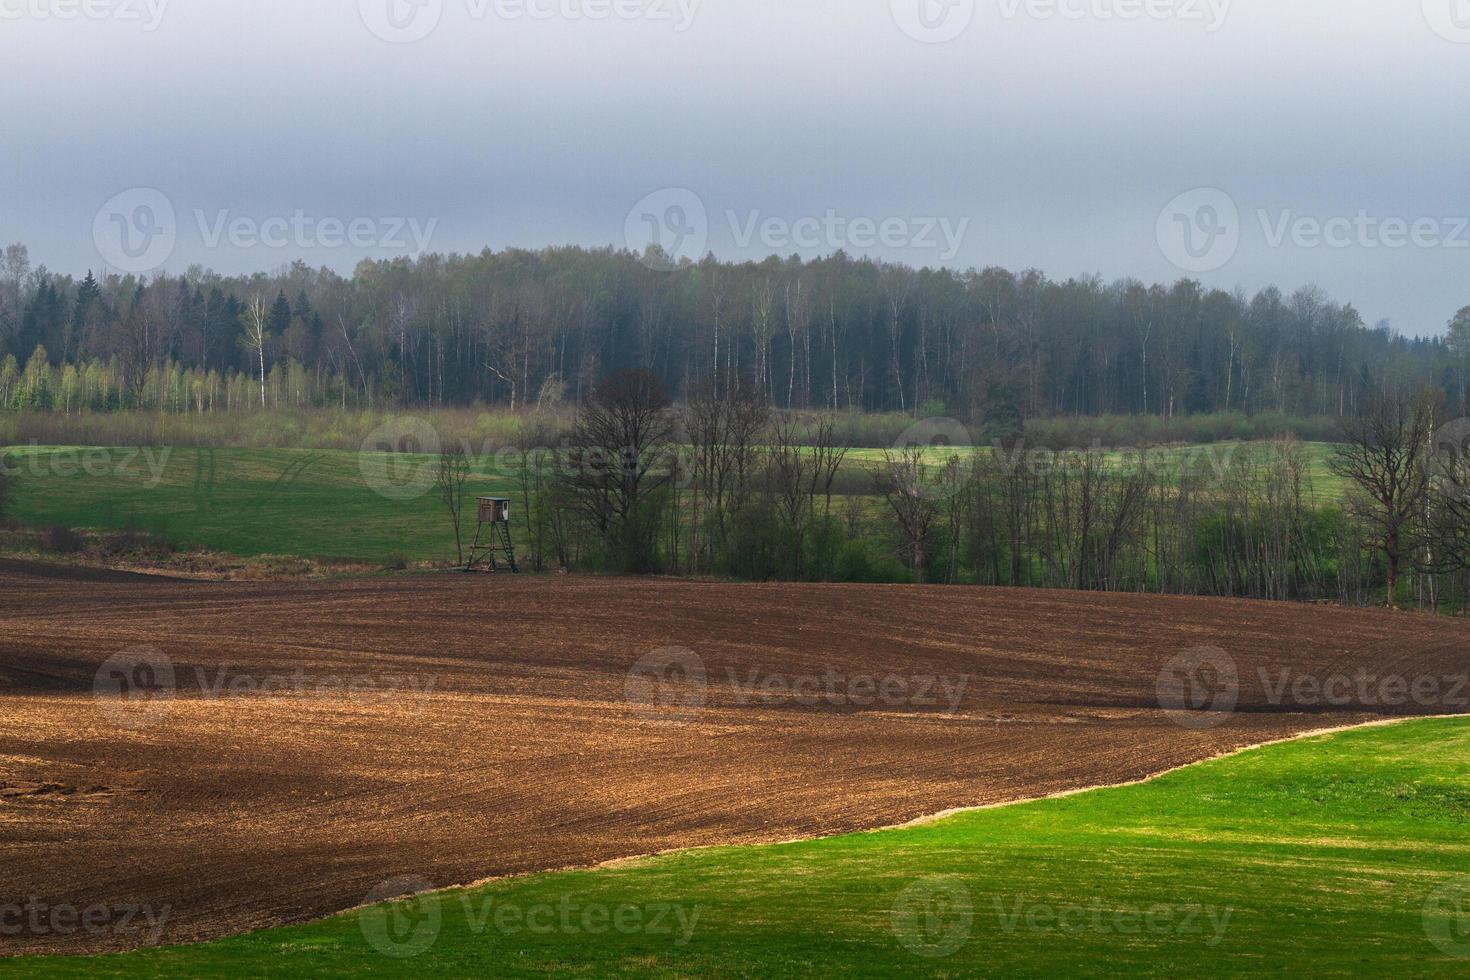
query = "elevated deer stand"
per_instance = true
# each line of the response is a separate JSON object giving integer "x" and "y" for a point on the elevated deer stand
{"x": 492, "y": 536}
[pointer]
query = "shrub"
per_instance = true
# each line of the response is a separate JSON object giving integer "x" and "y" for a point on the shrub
{"x": 5, "y": 487}
{"x": 63, "y": 540}
{"x": 134, "y": 541}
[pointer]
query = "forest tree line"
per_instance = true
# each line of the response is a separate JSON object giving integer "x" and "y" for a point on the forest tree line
{"x": 725, "y": 484}
{"x": 517, "y": 327}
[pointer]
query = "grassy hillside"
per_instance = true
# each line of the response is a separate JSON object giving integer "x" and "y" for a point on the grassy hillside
{"x": 1344, "y": 854}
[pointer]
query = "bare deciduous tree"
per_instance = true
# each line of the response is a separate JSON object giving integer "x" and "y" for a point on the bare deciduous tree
{"x": 1447, "y": 509}
{"x": 901, "y": 481}
{"x": 449, "y": 480}
{"x": 1383, "y": 456}
{"x": 722, "y": 428}
{"x": 619, "y": 460}
{"x": 828, "y": 454}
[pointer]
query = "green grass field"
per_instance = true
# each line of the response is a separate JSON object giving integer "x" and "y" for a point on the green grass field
{"x": 1340, "y": 855}
{"x": 313, "y": 503}
{"x": 367, "y": 507}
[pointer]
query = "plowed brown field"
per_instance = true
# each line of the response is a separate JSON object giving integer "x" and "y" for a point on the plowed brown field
{"x": 326, "y": 736}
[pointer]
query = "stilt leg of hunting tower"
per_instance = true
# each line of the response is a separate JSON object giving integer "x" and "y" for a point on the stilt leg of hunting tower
{"x": 469, "y": 564}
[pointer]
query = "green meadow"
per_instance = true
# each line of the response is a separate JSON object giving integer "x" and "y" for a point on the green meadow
{"x": 304, "y": 502}
{"x": 337, "y": 504}
{"x": 1345, "y": 854}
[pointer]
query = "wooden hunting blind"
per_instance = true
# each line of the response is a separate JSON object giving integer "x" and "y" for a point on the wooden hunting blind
{"x": 492, "y": 536}
{"x": 494, "y": 510}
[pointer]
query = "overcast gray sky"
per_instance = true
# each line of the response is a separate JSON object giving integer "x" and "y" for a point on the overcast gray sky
{"x": 1240, "y": 141}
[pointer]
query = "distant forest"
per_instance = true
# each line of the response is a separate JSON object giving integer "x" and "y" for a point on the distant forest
{"x": 518, "y": 327}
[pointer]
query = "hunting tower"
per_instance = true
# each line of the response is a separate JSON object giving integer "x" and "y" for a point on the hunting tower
{"x": 492, "y": 536}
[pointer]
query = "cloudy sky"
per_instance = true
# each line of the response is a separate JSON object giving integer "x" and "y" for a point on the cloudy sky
{"x": 1242, "y": 142}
